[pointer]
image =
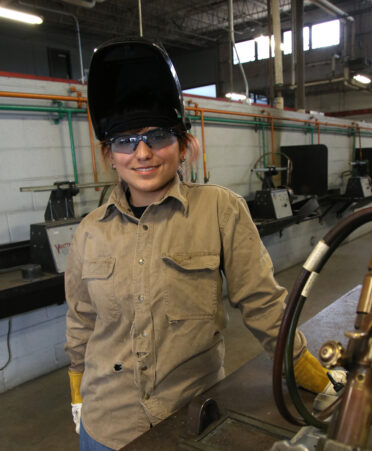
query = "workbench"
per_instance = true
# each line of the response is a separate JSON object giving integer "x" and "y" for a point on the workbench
{"x": 249, "y": 419}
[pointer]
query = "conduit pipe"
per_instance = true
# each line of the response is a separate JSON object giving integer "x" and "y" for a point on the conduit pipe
{"x": 270, "y": 59}
{"x": 232, "y": 39}
{"x": 79, "y": 99}
{"x": 84, "y": 3}
{"x": 140, "y": 18}
{"x": 299, "y": 51}
{"x": 278, "y": 61}
{"x": 59, "y": 110}
{"x": 199, "y": 112}
{"x": 77, "y": 31}
{"x": 333, "y": 9}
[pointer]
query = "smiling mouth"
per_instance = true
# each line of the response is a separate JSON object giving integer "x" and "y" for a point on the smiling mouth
{"x": 147, "y": 169}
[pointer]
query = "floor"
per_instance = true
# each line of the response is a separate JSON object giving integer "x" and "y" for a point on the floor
{"x": 36, "y": 416}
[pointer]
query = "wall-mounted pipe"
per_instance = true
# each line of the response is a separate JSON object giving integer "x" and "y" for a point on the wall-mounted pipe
{"x": 140, "y": 18}
{"x": 59, "y": 110}
{"x": 270, "y": 59}
{"x": 268, "y": 120}
{"x": 278, "y": 62}
{"x": 79, "y": 99}
{"x": 84, "y": 3}
{"x": 332, "y": 9}
{"x": 232, "y": 39}
{"x": 77, "y": 31}
{"x": 299, "y": 51}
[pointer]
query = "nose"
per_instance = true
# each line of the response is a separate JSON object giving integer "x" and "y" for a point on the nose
{"x": 143, "y": 151}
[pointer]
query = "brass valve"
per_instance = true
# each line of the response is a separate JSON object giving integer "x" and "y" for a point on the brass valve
{"x": 330, "y": 353}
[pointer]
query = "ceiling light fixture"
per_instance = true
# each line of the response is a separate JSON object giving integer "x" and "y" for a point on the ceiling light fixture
{"x": 235, "y": 96}
{"x": 362, "y": 79}
{"x": 12, "y": 14}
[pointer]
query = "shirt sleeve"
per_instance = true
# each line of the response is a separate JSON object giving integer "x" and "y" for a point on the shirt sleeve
{"x": 249, "y": 275}
{"x": 81, "y": 316}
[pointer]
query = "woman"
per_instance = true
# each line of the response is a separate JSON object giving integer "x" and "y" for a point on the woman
{"x": 144, "y": 272}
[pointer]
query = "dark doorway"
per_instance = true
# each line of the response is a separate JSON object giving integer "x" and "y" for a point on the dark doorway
{"x": 59, "y": 63}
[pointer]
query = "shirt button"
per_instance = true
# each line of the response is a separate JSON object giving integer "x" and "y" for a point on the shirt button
{"x": 147, "y": 396}
{"x": 145, "y": 227}
{"x": 141, "y": 261}
{"x": 141, "y": 298}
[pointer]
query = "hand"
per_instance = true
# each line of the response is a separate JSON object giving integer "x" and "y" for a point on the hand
{"x": 76, "y": 415}
{"x": 312, "y": 376}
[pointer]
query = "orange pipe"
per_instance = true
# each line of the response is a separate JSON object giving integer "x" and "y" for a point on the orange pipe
{"x": 79, "y": 99}
{"x": 275, "y": 118}
{"x": 206, "y": 178}
{"x": 317, "y": 129}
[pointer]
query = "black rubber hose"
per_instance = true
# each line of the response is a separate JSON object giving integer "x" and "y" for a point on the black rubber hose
{"x": 290, "y": 319}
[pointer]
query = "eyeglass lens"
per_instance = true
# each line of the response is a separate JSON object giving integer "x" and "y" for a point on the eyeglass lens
{"x": 155, "y": 139}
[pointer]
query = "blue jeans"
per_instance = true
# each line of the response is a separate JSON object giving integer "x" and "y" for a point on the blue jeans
{"x": 89, "y": 444}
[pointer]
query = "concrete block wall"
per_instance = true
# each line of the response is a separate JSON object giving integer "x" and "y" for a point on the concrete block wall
{"x": 36, "y": 151}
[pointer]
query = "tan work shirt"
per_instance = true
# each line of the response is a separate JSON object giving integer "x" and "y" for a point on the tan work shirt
{"x": 145, "y": 303}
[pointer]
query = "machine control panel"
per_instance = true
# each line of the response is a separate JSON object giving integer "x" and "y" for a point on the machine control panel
{"x": 273, "y": 204}
{"x": 50, "y": 243}
{"x": 282, "y": 205}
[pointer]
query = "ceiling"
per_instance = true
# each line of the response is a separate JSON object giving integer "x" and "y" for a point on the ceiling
{"x": 179, "y": 24}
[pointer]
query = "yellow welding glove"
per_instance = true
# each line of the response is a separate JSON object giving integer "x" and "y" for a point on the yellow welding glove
{"x": 76, "y": 399}
{"x": 310, "y": 374}
{"x": 75, "y": 381}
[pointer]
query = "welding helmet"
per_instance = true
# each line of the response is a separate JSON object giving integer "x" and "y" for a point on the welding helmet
{"x": 132, "y": 84}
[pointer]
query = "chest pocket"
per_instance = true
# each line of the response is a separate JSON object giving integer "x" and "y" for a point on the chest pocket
{"x": 98, "y": 274}
{"x": 191, "y": 285}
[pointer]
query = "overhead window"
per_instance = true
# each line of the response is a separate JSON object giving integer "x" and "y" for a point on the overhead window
{"x": 263, "y": 50}
{"x": 322, "y": 35}
{"x": 246, "y": 51}
{"x": 287, "y": 40}
{"x": 208, "y": 91}
{"x": 325, "y": 34}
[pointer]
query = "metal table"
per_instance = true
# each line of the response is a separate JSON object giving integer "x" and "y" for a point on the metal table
{"x": 249, "y": 417}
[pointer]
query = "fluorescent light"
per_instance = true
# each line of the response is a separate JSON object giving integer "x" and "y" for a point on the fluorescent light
{"x": 362, "y": 79}
{"x": 20, "y": 16}
{"x": 235, "y": 96}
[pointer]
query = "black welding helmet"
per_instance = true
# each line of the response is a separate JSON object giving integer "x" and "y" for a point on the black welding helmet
{"x": 132, "y": 84}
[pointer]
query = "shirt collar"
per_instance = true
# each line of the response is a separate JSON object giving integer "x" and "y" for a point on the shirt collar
{"x": 118, "y": 200}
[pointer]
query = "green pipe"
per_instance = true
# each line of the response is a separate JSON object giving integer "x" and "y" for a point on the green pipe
{"x": 334, "y": 130}
{"x": 45, "y": 109}
{"x": 69, "y": 118}
{"x": 60, "y": 110}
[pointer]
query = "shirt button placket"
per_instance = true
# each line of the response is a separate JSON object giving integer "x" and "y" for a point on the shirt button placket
{"x": 141, "y": 298}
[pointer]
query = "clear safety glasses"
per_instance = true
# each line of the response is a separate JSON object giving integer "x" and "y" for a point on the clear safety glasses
{"x": 155, "y": 139}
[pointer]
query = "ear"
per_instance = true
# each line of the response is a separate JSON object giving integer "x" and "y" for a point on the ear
{"x": 183, "y": 152}
{"x": 110, "y": 157}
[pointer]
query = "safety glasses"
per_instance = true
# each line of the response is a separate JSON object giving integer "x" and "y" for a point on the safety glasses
{"x": 155, "y": 139}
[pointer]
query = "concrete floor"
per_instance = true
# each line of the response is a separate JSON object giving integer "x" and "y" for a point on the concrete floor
{"x": 36, "y": 416}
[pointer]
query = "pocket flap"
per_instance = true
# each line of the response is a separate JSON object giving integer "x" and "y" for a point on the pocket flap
{"x": 98, "y": 268}
{"x": 193, "y": 262}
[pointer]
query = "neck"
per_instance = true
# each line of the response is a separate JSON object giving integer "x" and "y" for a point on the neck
{"x": 143, "y": 198}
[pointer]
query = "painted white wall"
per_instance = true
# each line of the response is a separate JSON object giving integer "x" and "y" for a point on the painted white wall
{"x": 36, "y": 151}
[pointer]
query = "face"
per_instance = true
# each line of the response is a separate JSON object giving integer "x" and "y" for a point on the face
{"x": 148, "y": 172}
